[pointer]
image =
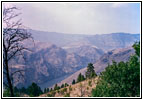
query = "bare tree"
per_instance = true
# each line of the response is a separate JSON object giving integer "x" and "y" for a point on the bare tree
{"x": 14, "y": 35}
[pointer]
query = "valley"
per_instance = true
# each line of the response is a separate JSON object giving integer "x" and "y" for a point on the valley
{"x": 67, "y": 62}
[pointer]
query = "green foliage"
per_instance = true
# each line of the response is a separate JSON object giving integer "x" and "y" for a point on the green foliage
{"x": 34, "y": 90}
{"x": 56, "y": 87}
{"x": 70, "y": 88}
{"x": 136, "y": 46}
{"x": 73, "y": 82}
{"x": 23, "y": 90}
{"x": 51, "y": 89}
{"x": 67, "y": 95}
{"x": 47, "y": 90}
{"x": 58, "y": 91}
{"x": 51, "y": 94}
{"x": 89, "y": 83}
{"x": 6, "y": 92}
{"x": 90, "y": 73}
{"x": 120, "y": 80}
{"x": 66, "y": 85}
{"x": 80, "y": 78}
{"x": 65, "y": 90}
{"x": 16, "y": 92}
{"x": 87, "y": 88}
{"x": 62, "y": 86}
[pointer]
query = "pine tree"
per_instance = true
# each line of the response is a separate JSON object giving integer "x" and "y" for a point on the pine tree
{"x": 73, "y": 82}
{"x": 47, "y": 90}
{"x": 90, "y": 71}
{"x": 51, "y": 89}
{"x": 34, "y": 90}
{"x": 56, "y": 87}
{"x": 62, "y": 86}
{"x": 66, "y": 85}
{"x": 80, "y": 78}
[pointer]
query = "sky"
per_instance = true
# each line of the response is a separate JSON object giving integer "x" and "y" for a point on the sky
{"x": 81, "y": 18}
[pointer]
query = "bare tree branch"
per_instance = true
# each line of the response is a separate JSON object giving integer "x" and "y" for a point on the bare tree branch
{"x": 18, "y": 71}
{"x": 14, "y": 35}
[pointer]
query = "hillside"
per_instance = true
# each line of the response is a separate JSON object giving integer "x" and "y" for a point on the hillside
{"x": 116, "y": 55}
{"x": 81, "y": 89}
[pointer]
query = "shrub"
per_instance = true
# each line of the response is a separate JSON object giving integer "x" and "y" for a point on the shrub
{"x": 67, "y": 95}
{"x": 87, "y": 88}
{"x": 89, "y": 83}
{"x": 70, "y": 88}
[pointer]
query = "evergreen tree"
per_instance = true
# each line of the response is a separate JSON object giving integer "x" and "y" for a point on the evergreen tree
{"x": 73, "y": 82}
{"x": 56, "y": 87}
{"x": 136, "y": 46}
{"x": 47, "y": 90}
{"x": 34, "y": 90}
{"x": 120, "y": 79}
{"x": 90, "y": 71}
{"x": 6, "y": 92}
{"x": 23, "y": 90}
{"x": 80, "y": 78}
{"x": 62, "y": 86}
{"x": 51, "y": 89}
{"x": 66, "y": 85}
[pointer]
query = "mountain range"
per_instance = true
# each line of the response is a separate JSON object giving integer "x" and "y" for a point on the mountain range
{"x": 59, "y": 58}
{"x": 47, "y": 62}
{"x": 104, "y": 41}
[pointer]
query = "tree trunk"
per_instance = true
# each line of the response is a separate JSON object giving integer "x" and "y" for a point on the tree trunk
{"x": 8, "y": 77}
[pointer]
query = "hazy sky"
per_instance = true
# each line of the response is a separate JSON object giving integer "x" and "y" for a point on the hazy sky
{"x": 81, "y": 18}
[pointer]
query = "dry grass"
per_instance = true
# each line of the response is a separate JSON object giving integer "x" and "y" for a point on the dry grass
{"x": 82, "y": 89}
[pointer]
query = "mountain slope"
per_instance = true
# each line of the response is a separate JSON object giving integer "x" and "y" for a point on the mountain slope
{"x": 116, "y": 55}
{"x": 46, "y": 60}
{"x": 81, "y": 89}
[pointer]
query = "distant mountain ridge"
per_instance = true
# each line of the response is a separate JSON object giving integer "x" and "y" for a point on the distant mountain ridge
{"x": 104, "y": 41}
